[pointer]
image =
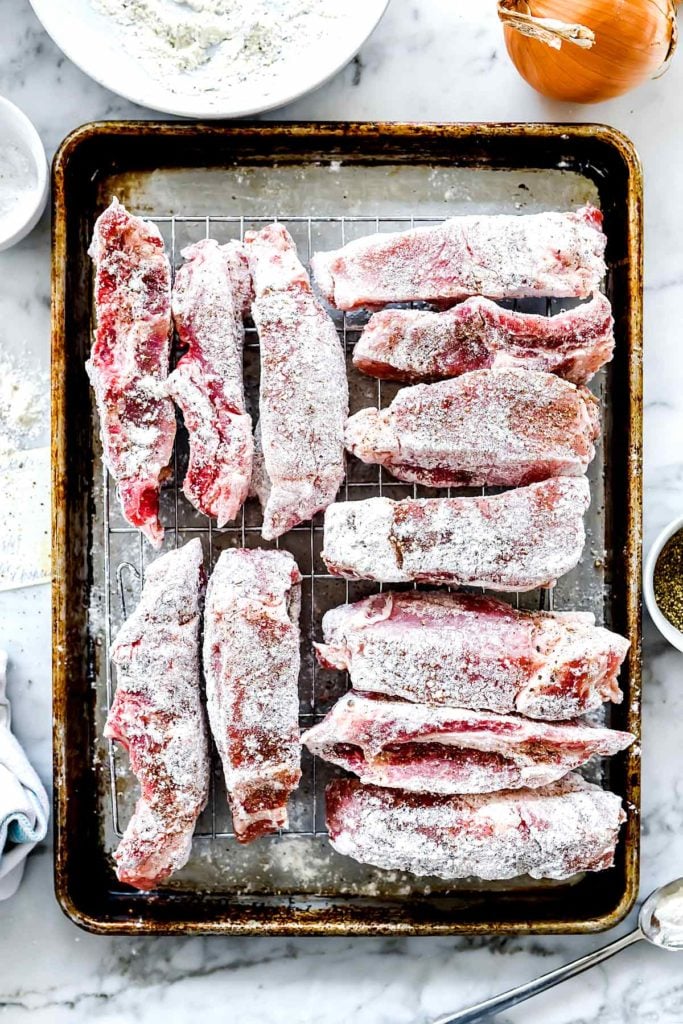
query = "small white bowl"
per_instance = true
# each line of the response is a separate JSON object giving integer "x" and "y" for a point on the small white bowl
{"x": 666, "y": 628}
{"x": 17, "y": 130}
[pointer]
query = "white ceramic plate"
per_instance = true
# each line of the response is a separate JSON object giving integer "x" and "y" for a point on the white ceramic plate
{"x": 96, "y": 44}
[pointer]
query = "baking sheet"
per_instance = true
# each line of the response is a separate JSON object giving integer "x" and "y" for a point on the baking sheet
{"x": 323, "y": 202}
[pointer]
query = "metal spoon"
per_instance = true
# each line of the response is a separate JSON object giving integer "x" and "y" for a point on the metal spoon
{"x": 652, "y": 925}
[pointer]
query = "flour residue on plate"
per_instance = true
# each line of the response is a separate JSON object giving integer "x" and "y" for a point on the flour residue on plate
{"x": 207, "y": 46}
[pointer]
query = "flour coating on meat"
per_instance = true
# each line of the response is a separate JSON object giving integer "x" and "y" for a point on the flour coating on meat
{"x": 157, "y": 714}
{"x": 503, "y": 257}
{"x": 423, "y": 748}
{"x": 251, "y": 666}
{"x": 488, "y": 427}
{"x": 211, "y": 294}
{"x": 304, "y": 396}
{"x": 416, "y": 345}
{"x": 476, "y": 652}
{"x": 515, "y": 541}
{"x": 129, "y": 360}
{"x": 553, "y": 832}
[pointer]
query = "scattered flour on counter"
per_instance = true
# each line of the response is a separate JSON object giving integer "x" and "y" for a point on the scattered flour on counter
{"x": 25, "y": 518}
{"x": 206, "y": 45}
{"x": 24, "y": 395}
{"x": 24, "y": 476}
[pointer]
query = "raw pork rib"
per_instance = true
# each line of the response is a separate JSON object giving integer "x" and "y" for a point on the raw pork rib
{"x": 421, "y": 748}
{"x": 418, "y": 345}
{"x": 514, "y": 541}
{"x": 157, "y": 715}
{"x": 474, "y": 652}
{"x": 508, "y": 427}
{"x": 554, "y": 832}
{"x": 211, "y": 294}
{"x": 504, "y": 257}
{"x": 304, "y": 393}
{"x": 128, "y": 364}
{"x": 251, "y": 665}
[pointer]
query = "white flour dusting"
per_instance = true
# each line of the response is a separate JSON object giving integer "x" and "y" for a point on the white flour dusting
{"x": 25, "y": 518}
{"x": 24, "y": 475}
{"x": 208, "y": 45}
{"x": 23, "y": 405}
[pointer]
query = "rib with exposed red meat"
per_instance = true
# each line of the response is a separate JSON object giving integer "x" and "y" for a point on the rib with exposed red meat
{"x": 251, "y": 665}
{"x": 477, "y": 652}
{"x": 423, "y": 748}
{"x": 304, "y": 392}
{"x": 129, "y": 360}
{"x": 211, "y": 294}
{"x": 503, "y": 257}
{"x": 157, "y": 715}
{"x": 421, "y": 346}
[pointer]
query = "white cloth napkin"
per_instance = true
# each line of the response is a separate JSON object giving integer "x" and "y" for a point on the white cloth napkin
{"x": 24, "y": 807}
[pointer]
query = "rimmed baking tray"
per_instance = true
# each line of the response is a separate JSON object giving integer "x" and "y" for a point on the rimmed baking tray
{"x": 328, "y": 183}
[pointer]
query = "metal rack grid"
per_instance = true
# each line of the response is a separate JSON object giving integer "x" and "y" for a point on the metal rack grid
{"x": 361, "y": 481}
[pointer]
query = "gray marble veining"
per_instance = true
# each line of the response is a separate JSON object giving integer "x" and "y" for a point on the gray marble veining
{"x": 429, "y": 60}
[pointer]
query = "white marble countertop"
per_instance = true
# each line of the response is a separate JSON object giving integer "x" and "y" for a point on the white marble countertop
{"x": 429, "y": 60}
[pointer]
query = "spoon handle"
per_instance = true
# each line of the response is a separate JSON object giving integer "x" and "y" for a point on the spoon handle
{"x": 517, "y": 995}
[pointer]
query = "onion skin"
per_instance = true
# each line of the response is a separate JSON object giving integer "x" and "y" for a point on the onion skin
{"x": 633, "y": 41}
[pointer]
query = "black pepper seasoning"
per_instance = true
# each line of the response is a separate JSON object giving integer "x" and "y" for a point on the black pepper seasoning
{"x": 668, "y": 580}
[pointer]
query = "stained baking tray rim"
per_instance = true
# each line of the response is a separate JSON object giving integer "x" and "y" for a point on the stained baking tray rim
{"x": 304, "y": 140}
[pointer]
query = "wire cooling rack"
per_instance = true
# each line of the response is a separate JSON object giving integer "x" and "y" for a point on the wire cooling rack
{"x": 126, "y": 553}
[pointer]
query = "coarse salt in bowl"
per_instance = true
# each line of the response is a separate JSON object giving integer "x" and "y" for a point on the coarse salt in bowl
{"x": 666, "y": 628}
{"x": 23, "y": 175}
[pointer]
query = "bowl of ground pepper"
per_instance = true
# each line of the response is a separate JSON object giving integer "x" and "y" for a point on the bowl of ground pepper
{"x": 663, "y": 583}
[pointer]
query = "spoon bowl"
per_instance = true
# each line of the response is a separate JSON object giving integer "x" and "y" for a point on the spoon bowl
{"x": 661, "y": 917}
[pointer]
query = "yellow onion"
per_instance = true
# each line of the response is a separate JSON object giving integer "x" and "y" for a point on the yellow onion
{"x": 586, "y": 51}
